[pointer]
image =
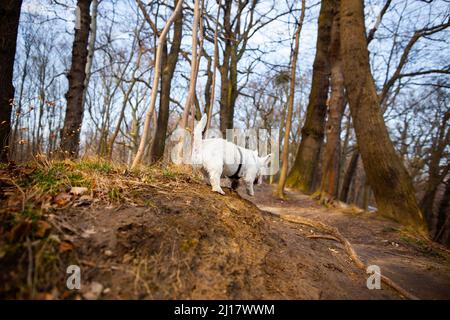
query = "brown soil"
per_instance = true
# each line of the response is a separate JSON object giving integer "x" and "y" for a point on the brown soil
{"x": 419, "y": 266}
{"x": 178, "y": 240}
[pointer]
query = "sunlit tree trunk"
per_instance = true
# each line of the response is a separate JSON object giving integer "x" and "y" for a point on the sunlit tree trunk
{"x": 336, "y": 106}
{"x": 188, "y": 107}
{"x": 70, "y": 135}
{"x": 91, "y": 47}
{"x": 284, "y": 167}
{"x": 169, "y": 62}
{"x": 212, "y": 87}
{"x": 148, "y": 116}
{"x": 302, "y": 173}
{"x": 386, "y": 174}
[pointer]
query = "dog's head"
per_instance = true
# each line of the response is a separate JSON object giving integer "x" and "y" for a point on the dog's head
{"x": 263, "y": 162}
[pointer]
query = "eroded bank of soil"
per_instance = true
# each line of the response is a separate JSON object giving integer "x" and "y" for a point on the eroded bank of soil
{"x": 165, "y": 235}
{"x": 199, "y": 245}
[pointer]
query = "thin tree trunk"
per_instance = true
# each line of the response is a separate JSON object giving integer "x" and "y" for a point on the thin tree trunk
{"x": 91, "y": 48}
{"x": 302, "y": 173}
{"x": 148, "y": 116}
{"x": 226, "y": 87}
{"x": 336, "y": 106}
{"x": 194, "y": 70}
{"x": 284, "y": 167}
{"x": 18, "y": 112}
{"x": 366, "y": 196}
{"x": 70, "y": 136}
{"x": 215, "y": 64}
{"x": 126, "y": 96}
{"x": 443, "y": 213}
{"x": 169, "y": 62}
{"x": 349, "y": 174}
{"x": 435, "y": 174}
{"x": 9, "y": 16}
{"x": 386, "y": 174}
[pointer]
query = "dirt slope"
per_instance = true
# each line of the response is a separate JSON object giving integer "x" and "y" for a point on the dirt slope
{"x": 163, "y": 235}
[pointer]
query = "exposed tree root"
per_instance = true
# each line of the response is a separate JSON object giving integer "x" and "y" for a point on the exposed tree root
{"x": 323, "y": 236}
{"x": 335, "y": 235}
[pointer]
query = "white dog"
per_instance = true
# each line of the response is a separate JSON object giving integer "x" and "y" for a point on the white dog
{"x": 220, "y": 158}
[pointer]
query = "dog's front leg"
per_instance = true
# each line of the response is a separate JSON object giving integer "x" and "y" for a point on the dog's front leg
{"x": 214, "y": 178}
{"x": 249, "y": 187}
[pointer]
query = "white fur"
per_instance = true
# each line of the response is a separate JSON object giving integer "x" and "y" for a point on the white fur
{"x": 220, "y": 158}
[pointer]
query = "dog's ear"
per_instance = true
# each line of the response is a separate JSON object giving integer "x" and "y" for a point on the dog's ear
{"x": 265, "y": 160}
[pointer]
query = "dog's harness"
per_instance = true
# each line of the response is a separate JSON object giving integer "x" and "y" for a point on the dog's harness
{"x": 236, "y": 174}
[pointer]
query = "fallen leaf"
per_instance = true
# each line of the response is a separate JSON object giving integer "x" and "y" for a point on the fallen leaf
{"x": 78, "y": 191}
{"x": 62, "y": 199}
{"x": 108, "y": 253}
{"x": 127, "y": 258}
{"x": 94, "y": 290}
{"x": 65, "y": 246}
{"x": 42, "y": 228}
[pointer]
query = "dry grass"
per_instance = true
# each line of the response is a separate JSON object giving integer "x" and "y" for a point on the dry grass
{"x": 35, "y": 240}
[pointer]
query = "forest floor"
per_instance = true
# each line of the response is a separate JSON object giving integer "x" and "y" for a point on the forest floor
{"x": 160, "y": 233}
{"x": 419, "y": 266}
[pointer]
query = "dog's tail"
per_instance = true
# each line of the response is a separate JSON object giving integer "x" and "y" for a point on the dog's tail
{"x": 199, "y": 128}
{"x": 197, "y": 145}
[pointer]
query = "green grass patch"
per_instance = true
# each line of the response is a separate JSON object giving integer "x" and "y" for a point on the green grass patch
{"x": 98, "y": 166}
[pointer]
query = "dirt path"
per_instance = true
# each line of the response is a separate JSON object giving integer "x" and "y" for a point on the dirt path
{"x": 418, "y": 268}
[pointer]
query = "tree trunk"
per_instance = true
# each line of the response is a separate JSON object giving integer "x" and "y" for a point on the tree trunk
{"x": 148, "y": 116}
{"x": 386, "y": 174}
{"x": 435, "y": 174}
{"x": 9, "y": 15}
{"x": 302, "y": 173}
{"x": 212, "y": 87}
{"x": 349, "y": 174}
{"x": 228, "y": 88}
{"x": 443, "y": 214}
{"x": 336, "y": 106}
{"x": 91, "y": 48}
{"x": 188, "y": 106}
{"x": 284, "y": 167}
{"x": 70, "y": 136}
{"x": 169, "y": 62}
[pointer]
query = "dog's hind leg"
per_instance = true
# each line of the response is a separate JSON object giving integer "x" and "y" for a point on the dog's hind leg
{"x": 205, "y": 176}
{"x": 234, "y": 184}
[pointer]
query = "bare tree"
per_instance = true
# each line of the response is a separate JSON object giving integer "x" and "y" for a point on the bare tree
{"x": 385, "y": 172}
{"x": 284, "y": 167}
{"x": 336, "y": 105}
{"x": 169, "y": 61}
{"x": 9, "y": 14}
{"x": 70, "y": 135}
{"x": 302, "y": 172}
{"x": 188, "y": 107}
{"x": 148, "y": 117}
